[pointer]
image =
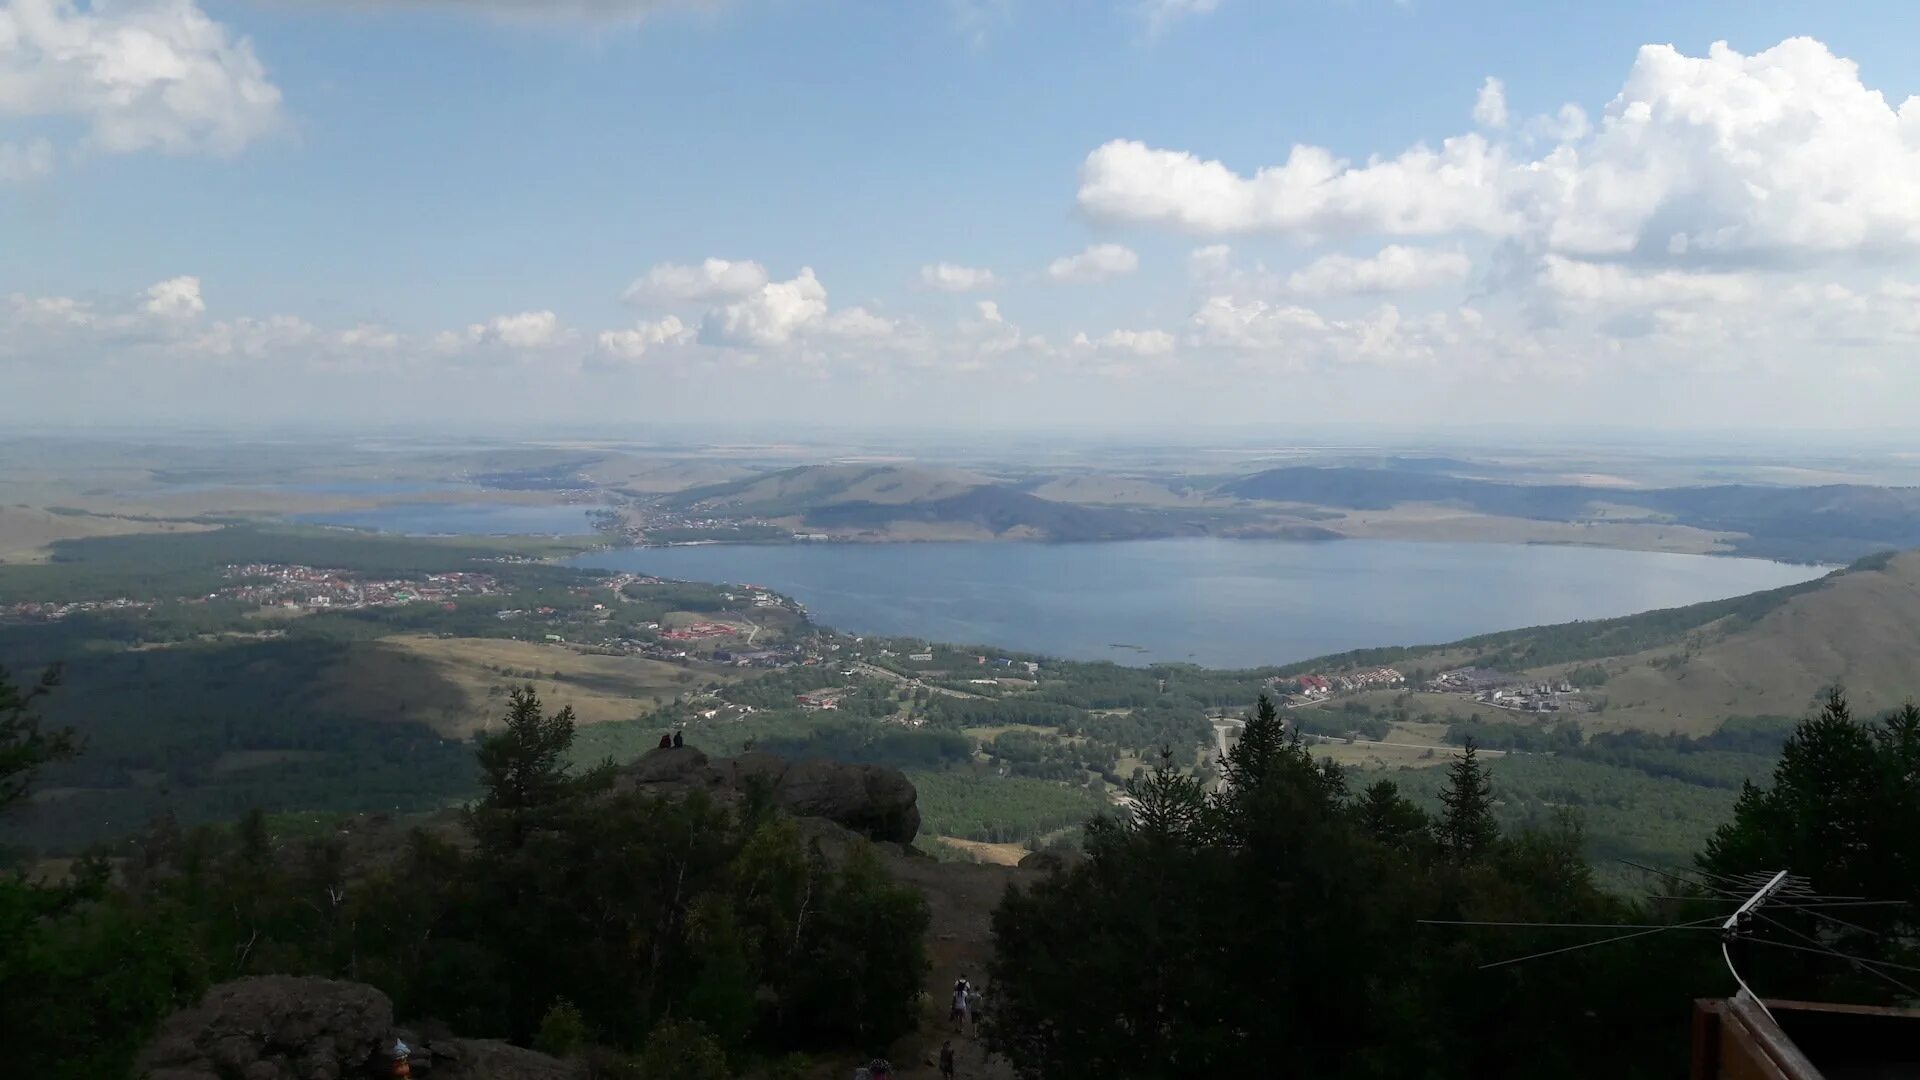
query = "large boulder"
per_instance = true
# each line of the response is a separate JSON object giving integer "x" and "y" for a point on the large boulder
{"x": 273, "y": 1027}
{"x": 871, "y": 799}
{"x": 876, "y": 801}
{"x": 283, "y": 1027}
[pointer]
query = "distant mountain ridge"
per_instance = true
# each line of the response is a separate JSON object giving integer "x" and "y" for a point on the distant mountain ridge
{"x": 1826, "y": 523}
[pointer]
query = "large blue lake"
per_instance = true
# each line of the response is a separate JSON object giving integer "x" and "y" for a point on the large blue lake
{"x": 1220, "y": 603}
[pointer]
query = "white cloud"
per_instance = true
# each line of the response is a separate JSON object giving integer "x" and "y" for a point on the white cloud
{"x": 1782, "y": 154}
{"x": 176, "y": 298}
{"x": 640, "y": 339}
{"x": 712, "y": 279}
{"x": 274, "y": 337}
{"x": 1394, "y": 269}
{"x": 138, "y": 74}
{"x": 771, "y": 316}
{"x": 946, "y": 277}
{"x": 1210, "y": 263}
{"x": 1138, "y": 342}
{"x": 990, "y": 311}
{"x": 1490, "y": 106}
{"x": 857, "y": 324}
{"x": 1610, "y": 286}
{"x": 24, "y": 161}
{"x": 1422, "y": 192}
{"x": 526, "y": 330}
{"x": 1098, "y": 263}
{"x": 1160, "y": 14}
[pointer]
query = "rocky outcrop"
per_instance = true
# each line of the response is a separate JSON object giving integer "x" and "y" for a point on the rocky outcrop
{"x": 283, "y": 1027}
{"x": 273, "y": 1027}
{"x": 874, "y": 800}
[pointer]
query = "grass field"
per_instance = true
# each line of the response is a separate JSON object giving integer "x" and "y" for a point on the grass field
{"x": 27, "y": 534}
{"x": 599, "y": 688}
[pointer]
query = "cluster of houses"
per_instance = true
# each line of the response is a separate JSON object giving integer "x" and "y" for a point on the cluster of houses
{"x": 1470, "y": 680}
{"x": 294, "y": 586}
{"x": 49, "y": 611}
{"x": 1315, "y": 687}
{"x": 820, "y": 700}
{"x": 1543, "y": 697}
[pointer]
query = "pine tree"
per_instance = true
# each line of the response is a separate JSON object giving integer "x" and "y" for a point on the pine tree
{"x": 24, "y": 747}
{"x": 1167, "y": 804}
{"x": 1466, "y": 827}
{"x": 1261, "y": 741}
{"x": 523, "y": 767}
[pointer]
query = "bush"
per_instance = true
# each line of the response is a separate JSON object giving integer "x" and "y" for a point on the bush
{"x": 562, "y": 1030}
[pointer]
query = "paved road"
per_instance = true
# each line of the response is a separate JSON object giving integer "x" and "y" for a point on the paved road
{"x": 865, "y": 668}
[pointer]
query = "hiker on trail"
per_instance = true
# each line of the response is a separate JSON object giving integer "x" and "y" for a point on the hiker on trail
{"x": 946, "y": 1060}
{"x": 958, "y": 1014}
{"x": 666, "y": 741}
{"x": 679, "y": 739}
{"x": 973, "y": 1008}
{"x": 962, "y": 986}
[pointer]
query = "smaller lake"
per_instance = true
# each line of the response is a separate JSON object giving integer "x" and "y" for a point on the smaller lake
{"x": 1219, "y": 603}
{"x": 461, "y": 519}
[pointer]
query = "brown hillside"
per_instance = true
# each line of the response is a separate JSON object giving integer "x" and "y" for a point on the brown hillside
{"x": 1862, "y": 630}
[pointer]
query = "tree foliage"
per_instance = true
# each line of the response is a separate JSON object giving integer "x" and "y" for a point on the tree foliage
{"x": 1275, "y": 928}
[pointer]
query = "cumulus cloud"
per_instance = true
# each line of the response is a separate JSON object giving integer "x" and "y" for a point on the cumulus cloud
{"x": 1394, "y": 269}
{"x": 1610, "y": 286}
{"x": 523, "y": 331}
{"x": 1098, "y": 263}
{"x": 176, "y": 298}
{"x": 857, "y": 324}
{"x": 773, "y": 315}
{"x": 1210, "y": 263}
{"x": 711, "y": 279}
{"x": 1138, "y": 342}
{"x": 946, "y": 277}
{"x": 1781, "y": 154}
{"x": 1490, "y": 106}
{"x": 642, "y": 338}
{"x": 137, "y": 74}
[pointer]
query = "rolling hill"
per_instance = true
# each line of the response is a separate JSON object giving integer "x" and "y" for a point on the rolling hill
{"x": 903, "y": 502}
{"x": 1688, "y": 669}
{"x": 1827, "y": 523}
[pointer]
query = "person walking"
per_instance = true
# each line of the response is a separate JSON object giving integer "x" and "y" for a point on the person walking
{"x": 946, "y": 1060}
{"x": 957, "y": 1015}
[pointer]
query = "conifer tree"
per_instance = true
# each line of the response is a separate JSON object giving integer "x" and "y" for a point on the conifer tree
{"x": 523, "y": 766}
{"x": 1466, "y": 827}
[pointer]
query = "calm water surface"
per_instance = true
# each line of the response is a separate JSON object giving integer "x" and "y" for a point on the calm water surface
{"x": 1221, "y": 603}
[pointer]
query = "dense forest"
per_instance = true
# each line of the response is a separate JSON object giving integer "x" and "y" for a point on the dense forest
{"x": 551, "y": 911}
{"x": 1292, "y": 925}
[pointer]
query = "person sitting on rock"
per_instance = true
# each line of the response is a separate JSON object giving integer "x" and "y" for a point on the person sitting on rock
{"x": 666, "y": 742}
{"x": 679, "y": 739}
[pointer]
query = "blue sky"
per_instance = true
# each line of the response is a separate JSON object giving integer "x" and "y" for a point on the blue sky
{"x": 423, "y": 170}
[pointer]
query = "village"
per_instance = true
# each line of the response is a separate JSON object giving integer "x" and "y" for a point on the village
{"x": 291, "y": 587}
{"x": 1486, "y": 686}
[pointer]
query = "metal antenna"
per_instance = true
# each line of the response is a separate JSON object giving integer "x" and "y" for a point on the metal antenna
{"x": 1739, "y": 926}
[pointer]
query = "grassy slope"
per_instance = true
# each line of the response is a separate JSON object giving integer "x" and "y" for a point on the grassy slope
{"x": 1685, "y": 669}
{"x": 27, "y": 534}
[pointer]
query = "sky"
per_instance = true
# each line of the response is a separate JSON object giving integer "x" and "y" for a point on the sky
{"x": 1154, "y": 216}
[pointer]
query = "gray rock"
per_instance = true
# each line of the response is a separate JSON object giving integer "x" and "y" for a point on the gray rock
{"x": 272, "y": 1027}
{"x": 874, "y": 800}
